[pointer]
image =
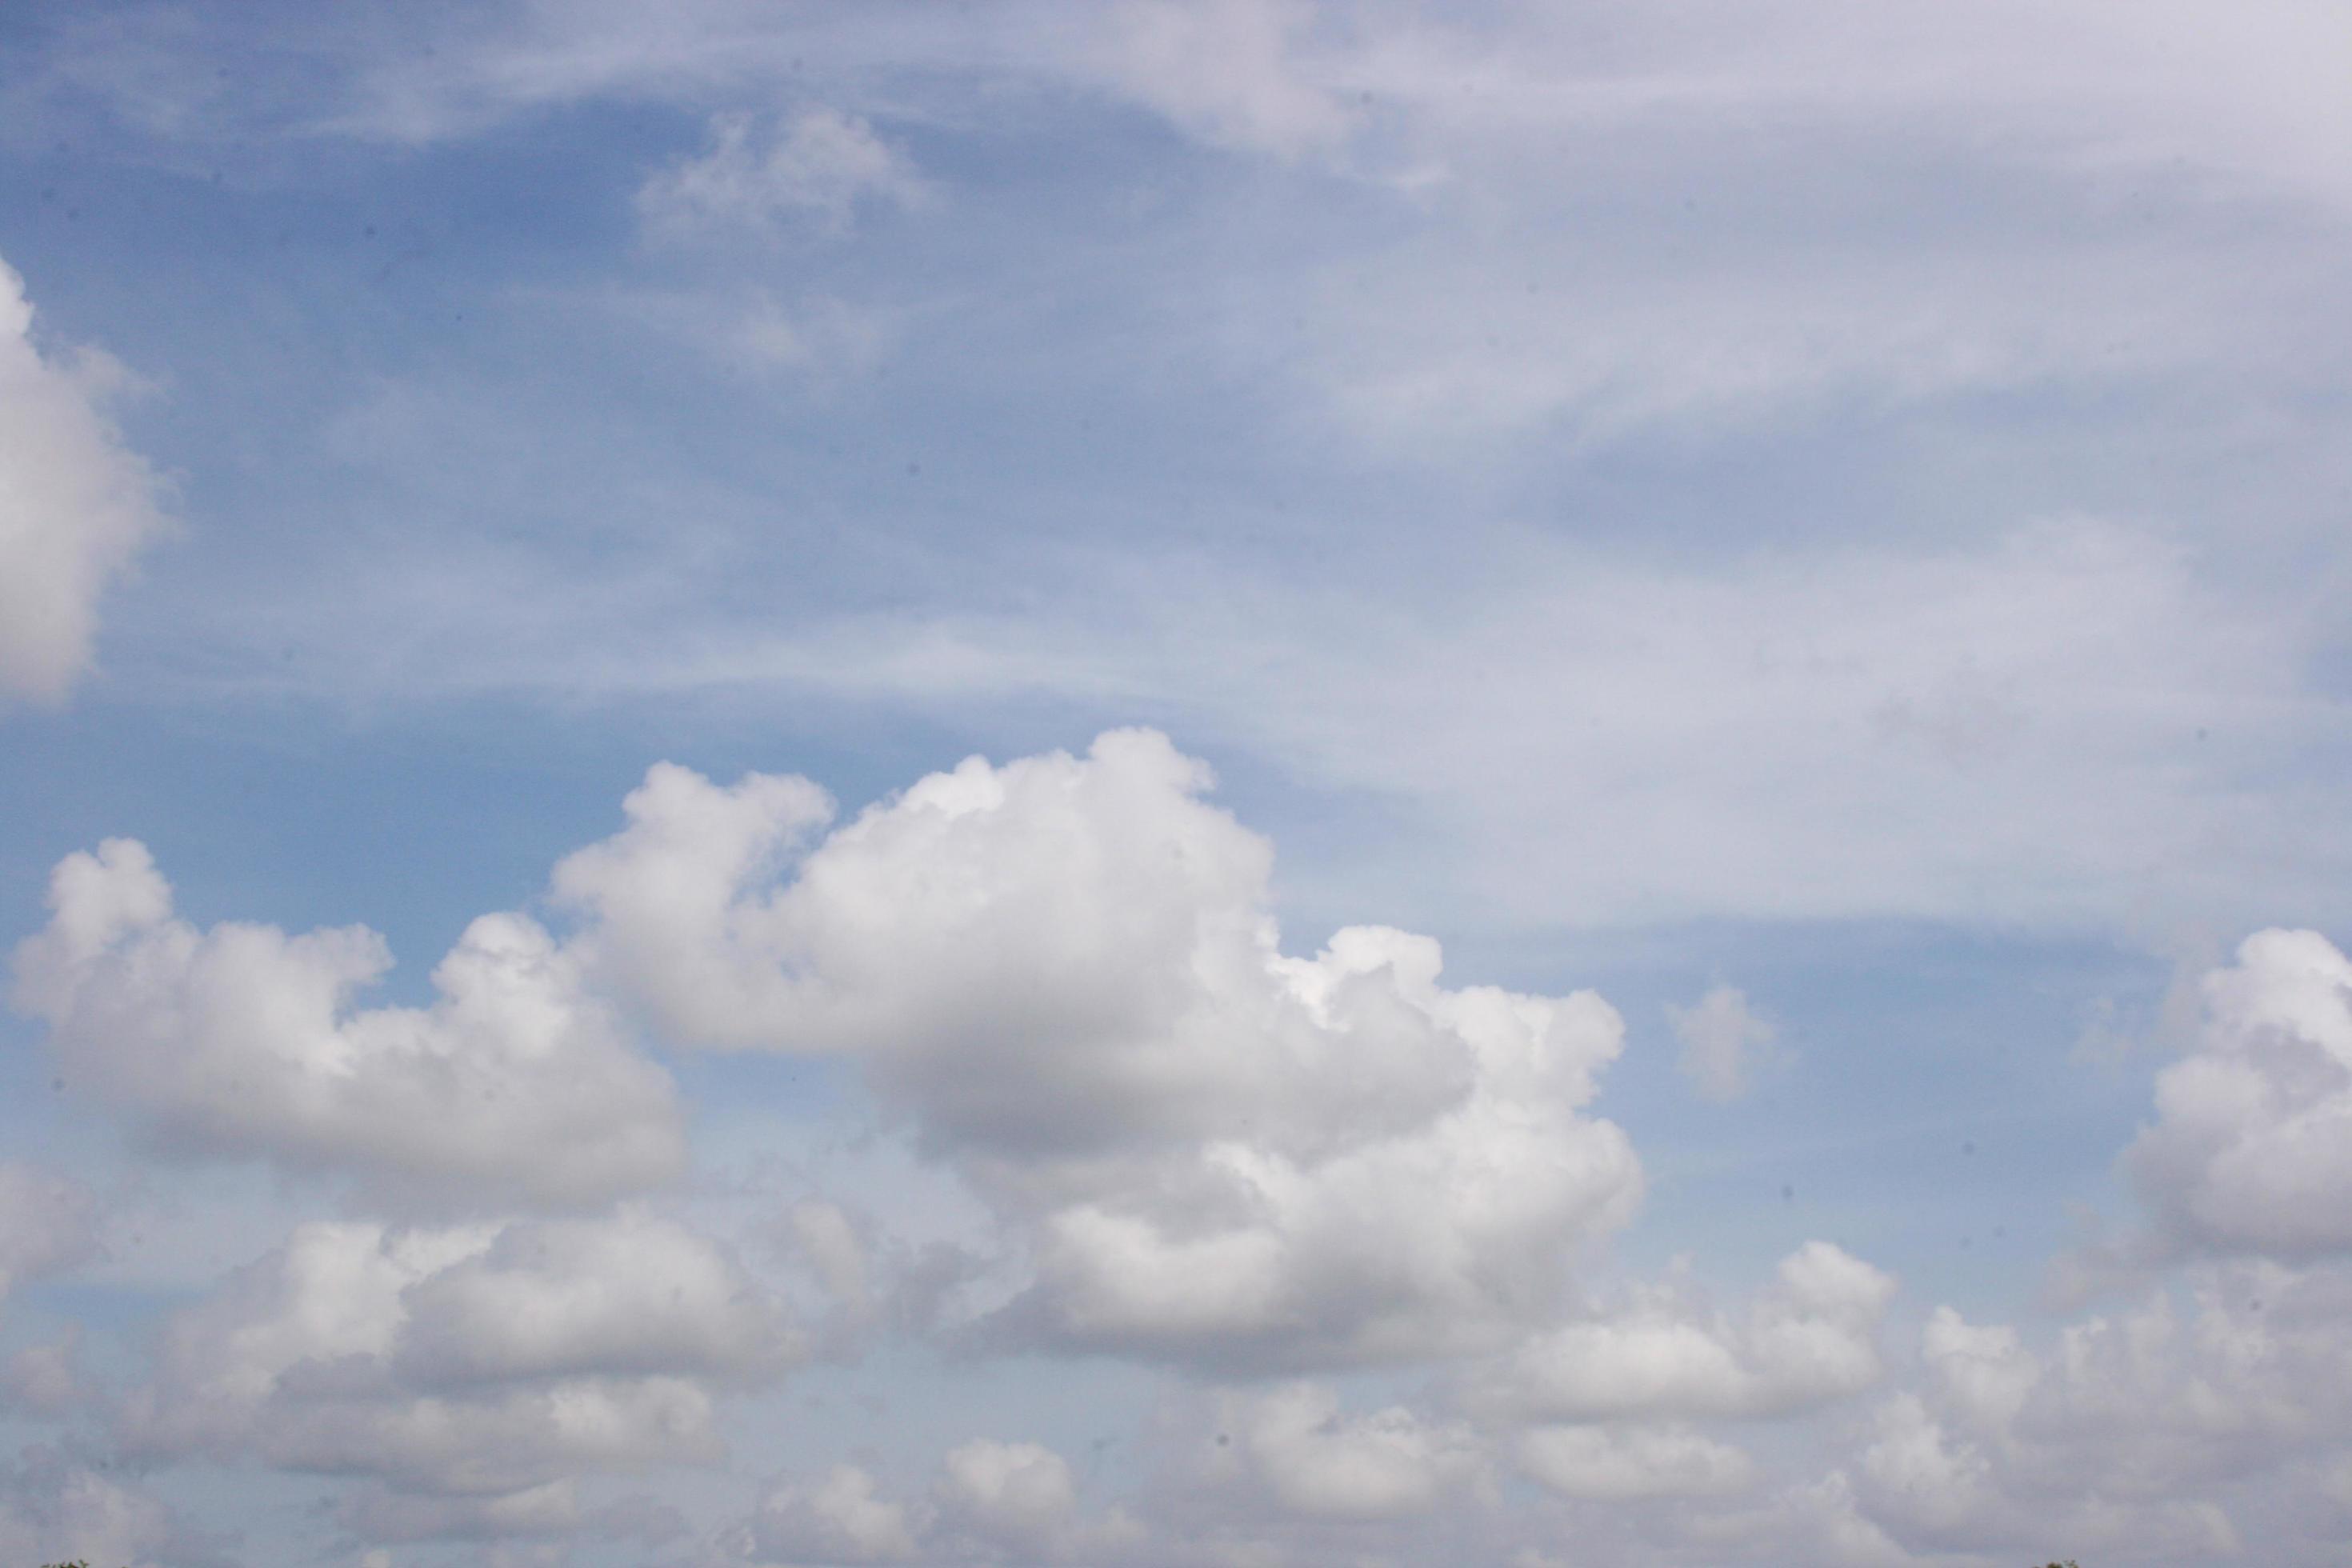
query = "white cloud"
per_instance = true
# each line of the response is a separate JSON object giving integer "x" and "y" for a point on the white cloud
{"x": 241, "y": 1041}
{"x": 1066, "y": 971}
{"x": 1725, "y": 1041}
{"x": 627, "y": 1294}
{"x": 1020, "y": 1493}
{"x": 839, "y": 1516}
{"x": 75, "y": 504}
{"x": 2252, "y": 1148}
{"x": 1809, "y": 1337}
{"x": 819, "y": 167}
{"x": 1315, "y": 1462}
{"x": 480, "y": 1362}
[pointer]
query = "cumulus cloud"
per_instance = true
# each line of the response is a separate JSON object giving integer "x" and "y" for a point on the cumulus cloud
{"x": 1315, "y": 1462}
{"x": 1064, "y": 971}
{"x": 992, "y": 1500}
{"x": 1020, "y": 1493}
{"x": 75, "y": 504}
{"x": 242, "y": 1041}
{"x": 474, "y": 1363}
{"x": 1724, "y": 1041}
{"x": 838, "y": 1517}
{"x": 2252, "y": 1147}
{"x": 2143, "y": 1434}
{"x": 817, "y": 167}
{"x": 1809, "y": 1337}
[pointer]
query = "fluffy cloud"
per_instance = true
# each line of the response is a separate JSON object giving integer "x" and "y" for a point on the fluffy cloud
{"x": 838, "y": 1517}
{"x": 819, "y": 167}
{"x": 1811, "y": 1336}
{"x": 1723, "y": 1038}
{"x": 474, "y": 1363}
{"x": 1065, "y": 973}
{"x": 75, "y": 504}
{"x": 2252, "y": 1148}
{"x": 1020, "y": 1493}
{"x": 241, "y": 1041}
{"x": 1317, "y": 1462}
{"x": 2152, "y": 1434}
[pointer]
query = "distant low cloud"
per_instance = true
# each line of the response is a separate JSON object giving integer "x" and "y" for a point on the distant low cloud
{"x": 819, "y": 168}
{"x": 471, "y": 1372}
{"x": 77, "y": 505}
{"x": 1809, "y": 1338}
{"x": 1725, "y": 1042}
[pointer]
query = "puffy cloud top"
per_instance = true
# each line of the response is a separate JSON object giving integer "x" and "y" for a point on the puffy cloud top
{"x": 1064, "y": 971}
{"x": 241, "y": 1040}
{"x": 2252, "y": 1148}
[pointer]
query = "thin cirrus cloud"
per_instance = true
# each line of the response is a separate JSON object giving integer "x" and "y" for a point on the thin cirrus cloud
{"x": 817, "y": 166}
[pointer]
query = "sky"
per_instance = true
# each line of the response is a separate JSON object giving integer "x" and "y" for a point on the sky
{"x": 1175, "y": 783}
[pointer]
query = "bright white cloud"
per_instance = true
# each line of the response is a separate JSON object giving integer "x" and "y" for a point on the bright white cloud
{"x": 1809, "y": 1337}
{"x": 75, "y": 504}
{"x": 2252, "y": 1148}
{"x": 1724, "y": 1042}
{"x": 241, "y": 1041}
{"x": 1066, "y": 971}
{"x": 818, "y": 167}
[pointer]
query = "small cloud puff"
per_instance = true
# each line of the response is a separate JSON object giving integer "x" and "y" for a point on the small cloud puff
{"x": 1725, "y": 1042}
{"x": 819, "y": 167}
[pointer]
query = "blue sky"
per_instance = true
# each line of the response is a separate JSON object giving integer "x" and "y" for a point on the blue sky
{"x": 823, "y": 653}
